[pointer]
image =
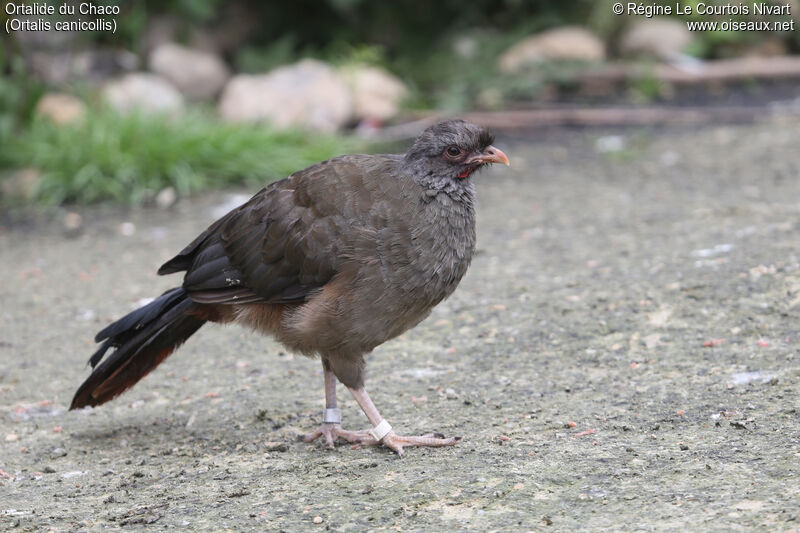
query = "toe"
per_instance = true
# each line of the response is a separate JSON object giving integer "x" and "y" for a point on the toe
{"x": 312, "y": 436}
{"x": 394, "y": 445}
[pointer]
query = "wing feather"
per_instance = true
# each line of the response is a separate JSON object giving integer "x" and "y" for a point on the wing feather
{"x": 288, "y": 240}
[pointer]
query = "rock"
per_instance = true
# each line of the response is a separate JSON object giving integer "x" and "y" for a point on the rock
{"x": 143, "y": 92}
{"x": 609, "y": 144}
{"x": 659, "y": 38}
{"x": 72, "y": 224}
{"x": 21, "y": 184}
{"x": 307, "y": 94}
{"x": 166, "y": 197}
{"x": 465, "y": 47}
{"x": 377, "y": 94}
{"x": 559, "y": 44}
{"x": 60, "y": 108}
{"x": 275, "y": 446}
{"x": 59, "y": 67}
{"x": 126, "y": 229}
{"x": 196, "y": 74}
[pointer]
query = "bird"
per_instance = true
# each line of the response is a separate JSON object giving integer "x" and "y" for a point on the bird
{"x": 332, "y": 261}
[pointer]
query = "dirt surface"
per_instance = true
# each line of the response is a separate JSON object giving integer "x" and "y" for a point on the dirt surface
{"x": 621, "y": 356}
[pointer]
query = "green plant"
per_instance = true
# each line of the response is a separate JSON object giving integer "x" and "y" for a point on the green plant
{"x": 18, "y": 95}
{"x": 130, "y": 158}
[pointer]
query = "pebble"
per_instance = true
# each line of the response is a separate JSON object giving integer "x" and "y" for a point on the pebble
{"x": 127, "y": 229}
{"x": 276, "y": 446}
{"x": 55, "y": 453}
{"x": 166, "y": 198}
{"x": 12, "y": 437}
{"x": 609, "y": 144}
{"x": 73, "y": 223}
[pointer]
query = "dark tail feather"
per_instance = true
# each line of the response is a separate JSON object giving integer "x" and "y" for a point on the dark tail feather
{"x": 143, "y": 339}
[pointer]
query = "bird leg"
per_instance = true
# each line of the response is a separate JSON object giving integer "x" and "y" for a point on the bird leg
{"x": 332, "y": 417}
{"x": 381, "y": 432}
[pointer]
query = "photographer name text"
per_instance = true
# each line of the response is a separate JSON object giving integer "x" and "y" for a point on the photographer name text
{"x": 655, "y": 10}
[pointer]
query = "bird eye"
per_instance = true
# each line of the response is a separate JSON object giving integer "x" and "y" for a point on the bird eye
{"x": 453, "y": 151}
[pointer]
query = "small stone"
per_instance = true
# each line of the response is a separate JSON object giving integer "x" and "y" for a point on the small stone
{"x": 166, "y": 197}
{"x": 450, "y": 394}
{"x": 127, "y": 229}
{"x": 465, "y": 47}
{"x": 12, "y": 437}
{"x": 309, "y": 94}
{"x": 60, "y": 108}
{"x": 568, "y": 43}
{"x": 659, "y": 38}
{"x": 609, "y": 144}
{"x": 377, "y": 94}
{"x": 276, "y": 446}
{"x": 49, "y": 470}
{"x": 142, "y": 92}
{"x": 73, "y": 224}
{"x": 21, "y": 184}
{"x": 55, "y": 453}
{"x": 317, "y": 520}
{"x": 684, "y": 447}
{"x": 195, "y": 73}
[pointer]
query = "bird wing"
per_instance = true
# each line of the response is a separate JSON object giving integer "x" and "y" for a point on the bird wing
{"x": 287, "y": 241}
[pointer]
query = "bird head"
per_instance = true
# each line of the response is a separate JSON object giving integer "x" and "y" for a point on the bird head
{"x": 452, "y": 150}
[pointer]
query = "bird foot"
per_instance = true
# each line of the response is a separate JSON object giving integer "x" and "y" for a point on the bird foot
{"x": 331, "y": 432}
{"x": 392, "y": 441}
{"x": 398, "y": 442}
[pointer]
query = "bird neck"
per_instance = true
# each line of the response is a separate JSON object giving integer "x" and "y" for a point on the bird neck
{"x": 433, "y": 183}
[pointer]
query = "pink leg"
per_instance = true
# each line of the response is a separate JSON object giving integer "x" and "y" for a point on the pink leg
{"x": 331, "y": 426}
{"x": 380, "y": 434}
{"x": 389, "y": 438}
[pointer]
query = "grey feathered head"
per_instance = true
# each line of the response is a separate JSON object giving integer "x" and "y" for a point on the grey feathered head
{"x": 450, "y": 151}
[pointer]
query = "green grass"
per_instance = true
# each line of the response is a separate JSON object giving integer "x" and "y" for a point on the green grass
{"x": 130, "y": 158}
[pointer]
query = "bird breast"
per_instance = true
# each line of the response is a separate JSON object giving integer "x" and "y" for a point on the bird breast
{"x": 418, "y": 261}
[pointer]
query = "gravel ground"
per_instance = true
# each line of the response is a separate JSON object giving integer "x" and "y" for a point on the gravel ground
{"x": 621, "y": 356}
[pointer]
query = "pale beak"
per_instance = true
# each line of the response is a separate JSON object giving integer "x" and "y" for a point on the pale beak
{"x": 489, "y": 155}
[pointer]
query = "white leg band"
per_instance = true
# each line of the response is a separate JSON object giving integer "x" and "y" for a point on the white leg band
{"x": 381, "y": 430}
{"x": 332, "y": 416}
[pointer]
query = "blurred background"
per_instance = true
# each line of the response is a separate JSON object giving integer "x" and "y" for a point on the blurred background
{"x": 186, "y": 95}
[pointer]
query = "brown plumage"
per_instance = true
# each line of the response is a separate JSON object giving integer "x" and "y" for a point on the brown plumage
{"x": 332, "y": 261}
